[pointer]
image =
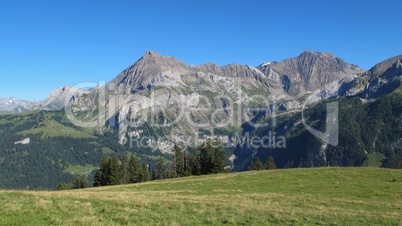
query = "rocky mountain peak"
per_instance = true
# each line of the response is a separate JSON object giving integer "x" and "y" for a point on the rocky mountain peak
{"x": 383, "y": 78}
{"x": 150, "y": 66}
{"x": 150, "y": 58}
{"x": 11, "y": 104}
{"x": 311, "y": 57}
{"x": 150, "y": 55}
{"x": 389, "y": 66}
{"x": 308, "y": 72}
{"x": 308, "y": 53}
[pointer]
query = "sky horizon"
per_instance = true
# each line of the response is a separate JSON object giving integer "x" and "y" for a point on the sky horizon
{"x": 48, "y": 44}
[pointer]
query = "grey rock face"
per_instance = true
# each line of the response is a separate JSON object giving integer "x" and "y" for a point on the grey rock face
{"x": 287, "y": 79}
{"x": 57, "y": 98}
{"x": 153, "y": 69}
{"x": 170, "y": 88}
{"x": 176, "y": 91}
{"x": 13, "y": 104}
{"x": 55, "y": 101}
{"x": 308, "y": 72}
{"x": 383, "y": 78}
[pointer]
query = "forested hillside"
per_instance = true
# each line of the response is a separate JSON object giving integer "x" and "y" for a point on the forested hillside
{"x": 54, "y": 150}
{"x": 370, "y": 134}
{"x": 57, "y": 151}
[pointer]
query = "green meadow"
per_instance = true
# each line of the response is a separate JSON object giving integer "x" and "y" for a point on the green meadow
{"x": 313, "y": 196}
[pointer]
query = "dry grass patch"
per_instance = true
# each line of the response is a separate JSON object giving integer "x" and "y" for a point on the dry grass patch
{"x": 283, "y": 197}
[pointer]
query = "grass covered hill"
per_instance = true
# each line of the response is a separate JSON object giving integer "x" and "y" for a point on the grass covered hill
{"x": 309, "y": 196}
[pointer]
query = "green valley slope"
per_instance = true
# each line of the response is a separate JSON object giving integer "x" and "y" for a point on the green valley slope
{"x": 55, "y": 150}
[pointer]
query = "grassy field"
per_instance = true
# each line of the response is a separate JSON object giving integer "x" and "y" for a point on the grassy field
{"x": 375, "y": 159}
{"x": 80, "y": 170}
{"x": 320, "y": 196}
{"x": 53, "y": 128}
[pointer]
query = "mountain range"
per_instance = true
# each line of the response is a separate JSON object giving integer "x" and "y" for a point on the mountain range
{"x": 55, "y": 101}
{"x": 289, "y": 79}
{"x": 159, "y": 101}
{"x": 168, "y": 79}
{"x": 166, "y": 88}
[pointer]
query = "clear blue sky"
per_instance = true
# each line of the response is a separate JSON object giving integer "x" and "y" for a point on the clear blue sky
{"x": 45, "y": 44}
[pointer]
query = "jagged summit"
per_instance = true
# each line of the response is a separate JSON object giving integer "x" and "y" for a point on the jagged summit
{"x": 290, "y": 78}
{"x": 308, "y": 52}
{"x": 382, "y": 78}
{"x": 139, "y": 75}
{"x": 12, "y": 103}
{"x": 388, "y": 64}
{"x": 308, "y": 72}
{"x": 149, "y": 55}
{"x": 152, "y": 57}
{"x": 317, "y": 53}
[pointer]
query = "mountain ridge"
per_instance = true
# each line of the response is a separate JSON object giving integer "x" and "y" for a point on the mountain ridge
{"x": 288, "y": 79}
{"x": 165, "y": 104}
{"x": 154, "y": 62}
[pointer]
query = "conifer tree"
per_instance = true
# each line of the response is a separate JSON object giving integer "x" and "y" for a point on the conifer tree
{"x": 187, "y": 167}
{"x": 114, "y": 171}
{"x": 194, "y": 163}
{"x": 205, "y": 158}
{"x": 218, "y": 156}
{"x": 160, "y": 169}
{"x": 102, "y": 174}
{"x": 134, "y": 169}
{"x": 211, "y": 158}
{"x": 124, "y": 169}
{"x": 80, "y": 182}
{"x": 271, "y": 163}
{"x": 178, "y": 165}
{"x": 63, "y": 186}
{"x": 257, "y": 164}
{"x": 144, "y": 173}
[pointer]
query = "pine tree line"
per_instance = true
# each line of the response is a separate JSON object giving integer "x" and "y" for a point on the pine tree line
{"x": 78, "y": 183}
{"x": 258, "y": 165}
{"x": 114, "y": 171}
{"x": 208, "y": 159}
